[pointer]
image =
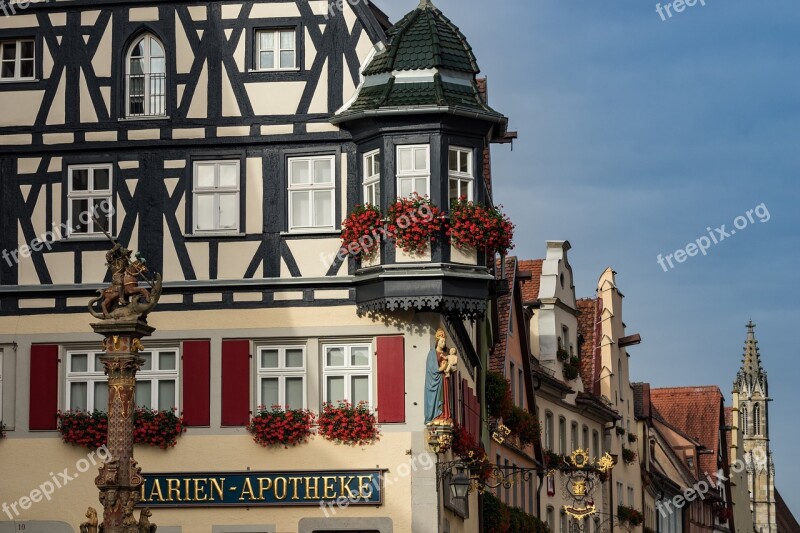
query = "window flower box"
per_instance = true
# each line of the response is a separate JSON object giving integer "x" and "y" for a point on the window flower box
{"x": 629, "y": 515}
{"x": 2, "y": 430}
{"x": 281, "y": 427}
{"x": 347, "y": 424}
{"x": 152, "y": 428}
{"x": 361, "y": 232}
{"x": 628, "y": 455}
{"x": 480, "y": 227}
{"x": 498, "y": 395}
{"x": 523, "y": 425}
{"x": 415, "y": 224}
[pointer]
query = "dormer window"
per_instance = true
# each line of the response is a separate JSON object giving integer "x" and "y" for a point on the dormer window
{"x": 146, "y": 83}
{"x": 413, "y": 170}
{"x": 460, "y": 172}
{"x": 372, "y": 178}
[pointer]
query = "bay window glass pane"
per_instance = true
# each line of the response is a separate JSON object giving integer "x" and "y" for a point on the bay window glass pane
{"x": 359, "y": 356}
{"x": 78, "y": 399}
{"x": 294, "y": 393}
{"x": 228, "y": 175}
{"x": 406, "y": 187}
{"x": 376, "y": 164}
{"x": 148, "y": 361}
{"x": 79, "y": 362}
{"x": 405, "y": 160}
{"x": 98, "y": 364}
{"x": 144, "y": 393}
{"x": 205, "y": 212}
{"x": 301, "y": 215}
{"x": 205, "y": 175}
{"x": 464, "y": 157}
{"x": 266, "y": 60}
{"x": 323, "y": 208}
{"x": 420, "y": 159}
{"x": 335, "y": 356}
{"x": 287, "y": 59}
{"x": 269, "y": 392}
{"x": 80, "y": 179}
{"x": 301, "y": 174}
{"x": 166, "y": 395}
{"x": 294, "y": 358}
{"x": 269, "y": 359}
{"x": 322, "y": 171}
{"x": 101, "y": 395}
{"x": 359, "y": 389}
{"x": 335, "y": 385}
{"x": 166, "y": 361}
{"x": 453, "y": 160}
{"x": 228, "y": 211}
{"x": 421, "y": 186}
{"x": 455, "y": 193}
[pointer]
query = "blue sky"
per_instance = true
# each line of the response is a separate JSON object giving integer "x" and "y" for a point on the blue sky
{"x": 635, "y": 135}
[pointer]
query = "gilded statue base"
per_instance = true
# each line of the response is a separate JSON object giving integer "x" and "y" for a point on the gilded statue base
{"x": 440, "y": 435}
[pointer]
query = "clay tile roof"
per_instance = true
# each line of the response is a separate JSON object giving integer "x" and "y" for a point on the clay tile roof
{"x": 497, "y": 360}
{"x": 785, "y": 519}
{"x": 696, "y": 412}
{"x": 589, "y": 329}
{"x": 530, "y": 288}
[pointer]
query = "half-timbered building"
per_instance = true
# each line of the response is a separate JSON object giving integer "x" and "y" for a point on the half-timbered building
{"x": 226, "y": 141}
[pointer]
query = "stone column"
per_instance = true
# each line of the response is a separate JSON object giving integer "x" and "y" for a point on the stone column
{"x": 120, "y": 478}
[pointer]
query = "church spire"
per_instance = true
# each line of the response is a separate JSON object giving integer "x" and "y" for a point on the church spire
{"x": 751, "y": 375}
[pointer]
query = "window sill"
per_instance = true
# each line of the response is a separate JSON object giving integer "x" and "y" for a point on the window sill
{"x": 272, "y": 70}
{"x": 20, "y": 80}
{"x": 311, "y": 233}
{"x": 211, "y": 235}
{"x": 143, "y": 119}
{"x": 87, "y": 238}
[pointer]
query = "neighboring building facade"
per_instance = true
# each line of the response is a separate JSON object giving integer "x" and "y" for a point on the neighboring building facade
{"x": 231, "y": 139}
{"x": 693, "y": 421}
{"x": 751, "y": 402}
{"x": 511, "y": 358}
{"x": 740, "y": 495}
{"x": 604, "y": 364}
{"x": 571, "y": 416}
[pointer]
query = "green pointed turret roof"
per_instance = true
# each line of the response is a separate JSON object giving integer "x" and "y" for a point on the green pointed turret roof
{"x": 425, "y": 39}
{"x": 426, "y": 66}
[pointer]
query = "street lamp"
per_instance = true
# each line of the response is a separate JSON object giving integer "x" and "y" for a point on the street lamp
{"x": 460, "y": 484}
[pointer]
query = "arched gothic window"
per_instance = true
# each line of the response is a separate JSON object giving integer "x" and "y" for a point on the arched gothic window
{"x": 744, "y": 422}
{"x": 757, "y": 419}
{"x": 146, "y": 78}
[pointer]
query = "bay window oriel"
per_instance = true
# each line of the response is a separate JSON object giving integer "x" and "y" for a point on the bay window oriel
{"x": 413, "y": 170}
{"x": 460, "y": 173}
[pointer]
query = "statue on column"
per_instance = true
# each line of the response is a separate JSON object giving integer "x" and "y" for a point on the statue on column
{"x": 125, "y": 276}
{"x": 440, "y": 365}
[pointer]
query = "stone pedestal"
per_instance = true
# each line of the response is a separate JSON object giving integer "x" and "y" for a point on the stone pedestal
{"x": 120, "y": 478}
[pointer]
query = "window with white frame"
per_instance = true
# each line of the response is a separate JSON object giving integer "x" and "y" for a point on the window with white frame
{"x": 312, "y": 193}
{"x": 347, "y": 373}
{"x": 146, "y": 81}
{"x": 282, "y": 376}
{"x": 89, "y": 199}
{"x": 461, "y": 174}
{"x": 630, "y": 496}
{"x": 275, "y": 49}
{"x": 548, "y": 431}
{"x": 372, "y": 178}
{"x": 216, "y": 196}
{"x": 17, "y": 61}
{"x": 87, "y": 388}
{"x": 413, "y": 170}
{"x": 157, "y": 380}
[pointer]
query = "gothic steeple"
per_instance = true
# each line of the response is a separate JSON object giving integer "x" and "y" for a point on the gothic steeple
{"x": 751, "y": 377}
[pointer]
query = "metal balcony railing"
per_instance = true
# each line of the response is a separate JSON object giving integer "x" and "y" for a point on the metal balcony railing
{"x": 147, "y": 95}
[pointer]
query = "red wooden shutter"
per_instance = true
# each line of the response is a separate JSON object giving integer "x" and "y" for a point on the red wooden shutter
{"x": 44, "y": 387}
{"x": 235, "y": 383}
{"x": 391, "y": 379}
{"x": 197, "y": 383}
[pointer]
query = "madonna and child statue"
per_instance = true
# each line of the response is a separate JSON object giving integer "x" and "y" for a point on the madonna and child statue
{"x": 440, "y": 364}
